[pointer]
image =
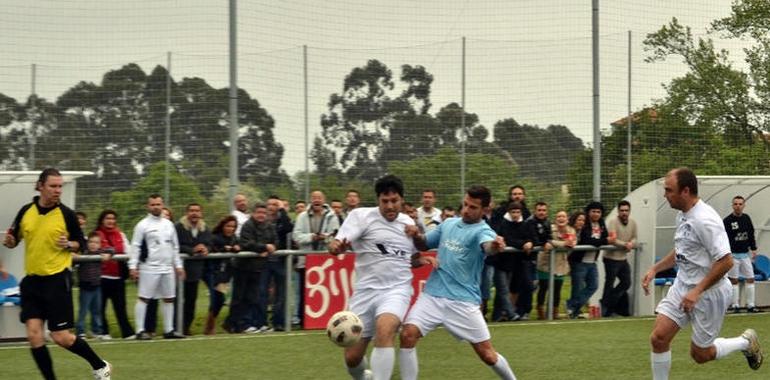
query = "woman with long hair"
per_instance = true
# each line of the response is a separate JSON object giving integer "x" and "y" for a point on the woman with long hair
{"x": 224, "y": 240}
{"x": 114, "y": 273}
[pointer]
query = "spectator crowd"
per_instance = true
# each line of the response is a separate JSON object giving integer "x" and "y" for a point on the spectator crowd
{"x": 256, "y": 285}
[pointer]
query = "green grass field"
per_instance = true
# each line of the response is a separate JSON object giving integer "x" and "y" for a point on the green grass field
{"x": 571, "y": 349}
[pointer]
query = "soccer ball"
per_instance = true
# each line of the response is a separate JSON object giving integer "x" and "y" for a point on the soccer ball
{"x": 344, "y": 328}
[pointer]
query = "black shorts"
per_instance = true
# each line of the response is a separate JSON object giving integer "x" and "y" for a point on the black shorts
{"x": 48, "y": 298}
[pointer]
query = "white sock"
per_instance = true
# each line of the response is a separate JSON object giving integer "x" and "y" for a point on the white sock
{"x": 736, "y": 294}
{"x": 502, "y": 368}
{"x": 661, "y": 365}
{"x": 407, "y": 361}
{"x": 140, "y": 310}
{"x": 750, "y": 293}
{"x": 168, "y": 317}
{"x": 382, "y": 362}
{"x": 726, "y": 346}
{"x": 357, "y": 372}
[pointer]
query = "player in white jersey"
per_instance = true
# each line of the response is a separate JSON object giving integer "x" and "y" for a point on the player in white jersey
{"x": 383, "y": 288}
{"x": 452, "y": 293}
{"x": 154, "y": 260}
{"x": 701, "y": 292}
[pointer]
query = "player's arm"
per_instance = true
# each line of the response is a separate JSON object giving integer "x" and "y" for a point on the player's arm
{"x": 75, "y": 240}
{"x": 717, "y": 272}
{"x": 13, "y": 234}
{"x": 417, "y": 236}
{"x": 493, "y": 247}
{"x": 665, "y": 263}
{"x": 418, "y": 260}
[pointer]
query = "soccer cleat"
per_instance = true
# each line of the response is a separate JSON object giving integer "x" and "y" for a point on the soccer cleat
{"x": 173, "y": 335}
{"x": 752, "y": 309}
{"x": 368, "y": 374}
{"x": 754, "y": 352}
{"x": 103, "y": 373}
{"x": 143, "y": 335}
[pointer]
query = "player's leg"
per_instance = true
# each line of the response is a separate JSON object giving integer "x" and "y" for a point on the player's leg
{"x": 167, "y": 291}
{"x": 663, "y": 333}
{"x": 57, "y": 293}
{"x": 707, "y": 322}
{"x": 390, "y": 310}
{"x": 40, "y": 353}
{"x": 384, "y": 355}
{"x": 147, "y": 289}
{"x": 747, "y": 272}
{"x": 426, "y": 314}
{"x": 355, "y": 359}
{"x": 671, "y": 318}
{"x": 490, "y": 357}
{"x": 733, "y": 274}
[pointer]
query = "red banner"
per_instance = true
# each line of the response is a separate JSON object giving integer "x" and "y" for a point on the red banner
{"x": 329, "y": 284}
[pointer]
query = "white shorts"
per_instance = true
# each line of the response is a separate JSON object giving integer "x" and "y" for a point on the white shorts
{"x": 462, "y": 319}
{"x": 708, "y": 315}
{"x": 741, "y": 268}
{"x": 156, "y": 285}
{"x": 369, "y": 304}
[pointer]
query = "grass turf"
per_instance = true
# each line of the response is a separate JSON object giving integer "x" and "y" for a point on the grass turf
{"x": 578, "y": 349}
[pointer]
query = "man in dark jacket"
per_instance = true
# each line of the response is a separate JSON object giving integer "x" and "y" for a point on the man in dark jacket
{"x": 540, "y": 229}
{"x": 195, "y": 241}
{"x": 510, "y": 276}
{"x": 257, "y": 235}
{"x": 275, "y": 270}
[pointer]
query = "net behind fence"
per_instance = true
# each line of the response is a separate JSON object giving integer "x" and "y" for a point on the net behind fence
{"x": 86, "y": 89}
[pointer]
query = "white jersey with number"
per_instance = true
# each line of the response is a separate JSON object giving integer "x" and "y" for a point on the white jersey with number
{"x": 700, "y": 240}
{"x": 383, "y": 251}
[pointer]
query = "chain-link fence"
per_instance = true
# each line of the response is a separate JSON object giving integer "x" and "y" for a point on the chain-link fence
{"x": 352, "y": 91}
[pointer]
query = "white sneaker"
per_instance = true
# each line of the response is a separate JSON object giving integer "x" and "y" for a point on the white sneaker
{"x": 754, "y": 352}
{"x": 251, "y": 330}
{"x": 368, "y": 374}
{"x": 265, "y": 329}
{"x": 104, "y": 337}
{"x": 130, "y": 337}
{"x": 103, "y": 373}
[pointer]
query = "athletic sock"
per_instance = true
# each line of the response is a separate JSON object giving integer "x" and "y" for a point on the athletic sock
{"x": 750, "y": 294}
{"x": 382, "y": 362}
{"x": 502, "y": 368}
{"x": 726, "y": 346}
{"x": 168, "y": 317}
{"x": 43, "y": 360}
{"x": 736, "y": 294}
{"x": 407, "y": 362}
{"x": 661, "y": 365}
{"x": 357, "y": 372}
{"x": 140, "y": 310}
{"x": 82, "y": 349}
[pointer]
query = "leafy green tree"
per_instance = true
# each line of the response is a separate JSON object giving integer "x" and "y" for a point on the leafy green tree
{"x": 131, "y": 203}
{"x": 441, "y": 172}
{"x": 360, "y": 118}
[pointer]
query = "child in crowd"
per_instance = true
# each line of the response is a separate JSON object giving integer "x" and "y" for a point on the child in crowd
{"x": 89, "y": 281}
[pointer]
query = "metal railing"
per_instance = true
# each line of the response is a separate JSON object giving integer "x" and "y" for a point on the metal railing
{"x": 289, "y": 257}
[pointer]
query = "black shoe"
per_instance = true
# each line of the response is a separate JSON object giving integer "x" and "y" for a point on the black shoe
{"x": 143, "y": 336}
{"x": 172, "y": 335}
{"x": 753, "y": 309}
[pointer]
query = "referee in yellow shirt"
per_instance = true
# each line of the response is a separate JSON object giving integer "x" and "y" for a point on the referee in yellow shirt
{"x": 52, "y": 233}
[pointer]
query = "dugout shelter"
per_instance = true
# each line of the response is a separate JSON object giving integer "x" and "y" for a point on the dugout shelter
{"x": 656, "y": 223}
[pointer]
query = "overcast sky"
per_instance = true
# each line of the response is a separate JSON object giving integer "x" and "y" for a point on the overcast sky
{"x": 530, "y": 60}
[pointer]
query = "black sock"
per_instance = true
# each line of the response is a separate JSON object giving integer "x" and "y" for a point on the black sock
{"x": 43, "y": 360}
{"x": 82, "y": 349}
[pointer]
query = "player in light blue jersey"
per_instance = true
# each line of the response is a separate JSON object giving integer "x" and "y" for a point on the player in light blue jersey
{"x": 451, "y": 296}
